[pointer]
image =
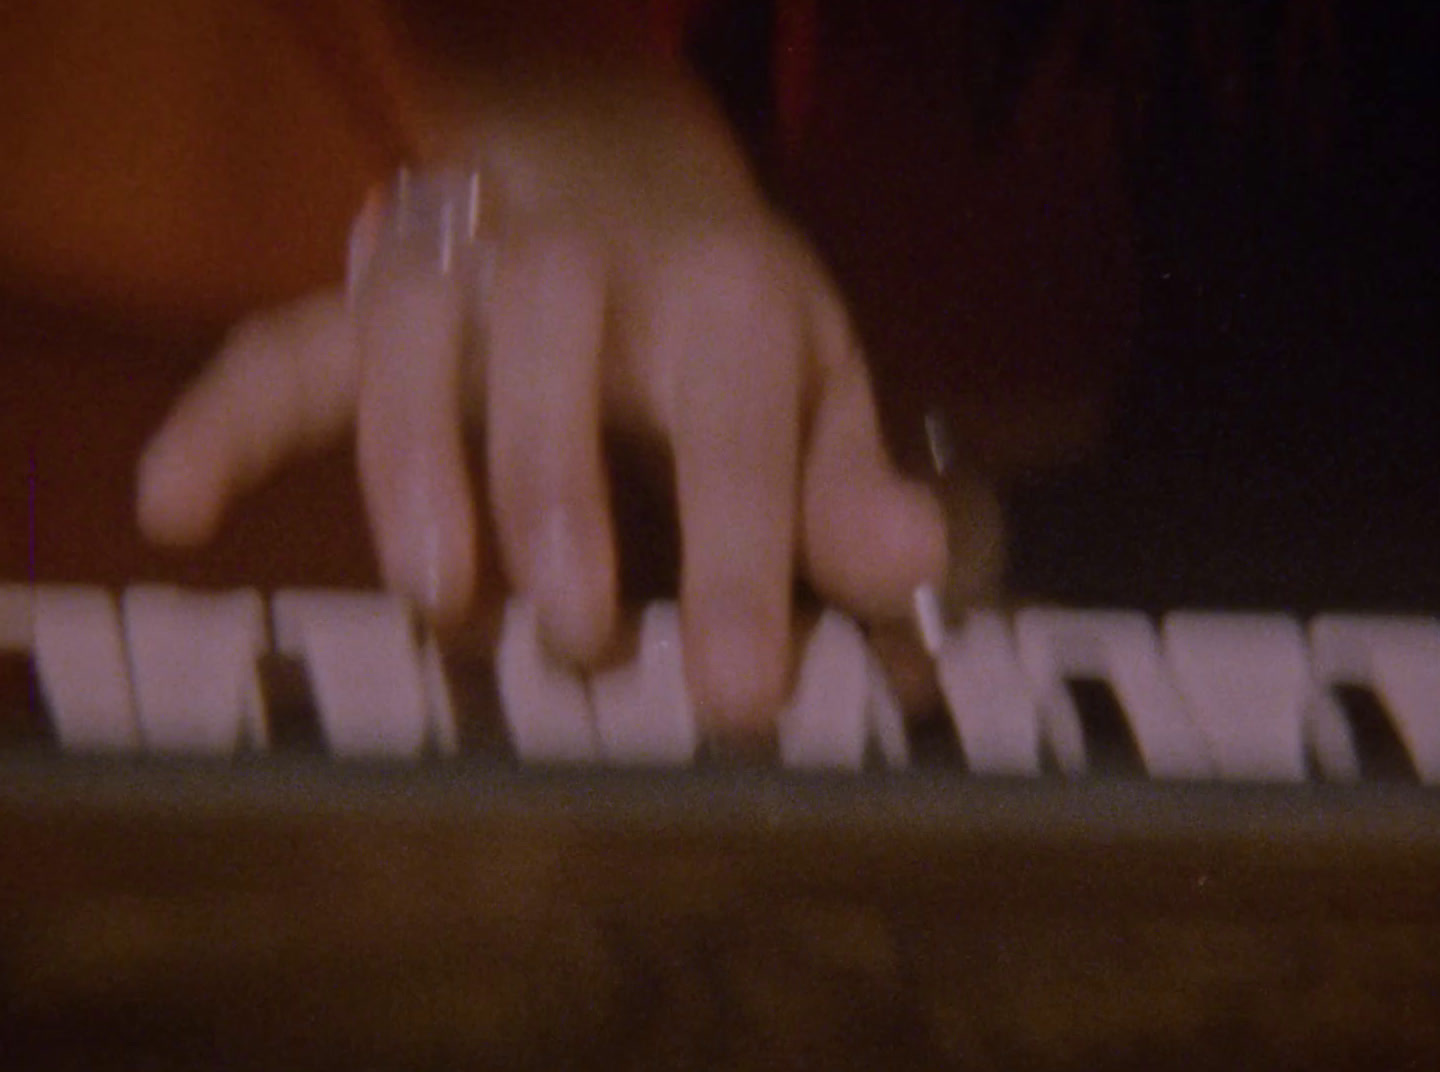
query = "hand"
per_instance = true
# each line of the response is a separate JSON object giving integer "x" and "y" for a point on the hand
{"x": 637, "y": 279}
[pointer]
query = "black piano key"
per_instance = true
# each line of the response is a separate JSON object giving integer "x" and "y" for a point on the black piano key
{"x": 292, "y": 714}
{"x": 737, "y": 751}
{"x": 1382, "y": 754}
{"x": 1110, "y": 747}
{"x": 480, "y": 727}
{"x": 933, "y": 739}
{"x": 24, "y": 718}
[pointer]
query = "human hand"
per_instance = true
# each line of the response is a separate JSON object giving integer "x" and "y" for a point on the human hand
{"x": 628, "y": 275}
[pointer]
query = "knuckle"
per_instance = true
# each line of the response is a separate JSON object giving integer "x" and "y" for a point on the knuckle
{"x": 732, "y": 273}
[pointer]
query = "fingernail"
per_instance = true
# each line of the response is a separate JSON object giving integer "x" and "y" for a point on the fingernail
{"x": 929, "y": 618}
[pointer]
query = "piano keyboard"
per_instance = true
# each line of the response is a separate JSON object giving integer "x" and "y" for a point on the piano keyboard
{"x": 1079, "y": 693}
{"x": 245, "y": 895}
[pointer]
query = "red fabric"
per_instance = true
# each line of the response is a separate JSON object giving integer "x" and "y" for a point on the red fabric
{"x": 792, "y": 59}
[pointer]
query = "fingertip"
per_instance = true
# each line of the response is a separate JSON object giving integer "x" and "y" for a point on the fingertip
{"x": 917, "y": 529}
{"x": 281, "y": 381}
{"x": 427, "y": 555}
{"x": 737, "y": 666}
{"x": 573, "y": 583}
{"x": 177, "y": 499}
{"x": 871, "y": 540}
{"x": 912, "y": 547}
{"x": 422, "y": 518}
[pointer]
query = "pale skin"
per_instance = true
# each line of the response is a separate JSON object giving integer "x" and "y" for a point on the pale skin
{"x": 640, "y": 281}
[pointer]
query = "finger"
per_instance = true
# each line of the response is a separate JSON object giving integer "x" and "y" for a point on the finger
{"x": 869, "y": 536}
{"x": 545, "y": 326}
{"x": 282, "y": 382}
{"x": 409, "y": 440}
{"x": 734, "y": 428}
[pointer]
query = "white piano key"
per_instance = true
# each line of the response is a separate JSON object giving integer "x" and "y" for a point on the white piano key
{"x": 545, "y": 704}
{"x": 364, "y": 666}
{"x": 991, "y": 703}
{"x": 826, "y": 723}
{"x": 643, "y": 712}
{"x": 1121, "y": 648}
{"x": 1400, "y": 659}
{"x": 17, "y": 618}
{"x": 1247, "y": 681}
{"x": 80, "y": 661}
{"x": 1331, "y": 742}
{"x": 193, "y": 667}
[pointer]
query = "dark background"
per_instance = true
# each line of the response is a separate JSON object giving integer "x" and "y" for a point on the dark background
{"x": 1270, "y": 434}
{"x": 1277, "y": 439}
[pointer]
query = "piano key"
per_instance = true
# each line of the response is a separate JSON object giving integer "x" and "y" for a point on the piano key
{"x": 885, "y": 716}
{"x": 1247, "y": 681}
{"x": 1121, "y": 648}
{"x": 444, "y": 714}
{"x": 292, "y": 717}
{"x": 545, "y": 704}
{"x": 827, "y": 721}
{"x": 1329, "y": 739}
{"x": 643, "y": 713}
{"x": 193, "y": 668}
{"x": 80, "y": 662}
{"x": 1242, "y": 696}
{"x": 22, "y": 716}
{"x": 1111, "y": 750}
{"x": 991, "y": 704}
{"x": 1399, "y": 658}
{"x": 473, "y": 692}
{"x": 1380, "y": 753}
{"x": 364, "y": 666}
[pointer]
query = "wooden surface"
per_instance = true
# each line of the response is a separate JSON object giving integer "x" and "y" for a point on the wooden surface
{"x": 302, "y": 918}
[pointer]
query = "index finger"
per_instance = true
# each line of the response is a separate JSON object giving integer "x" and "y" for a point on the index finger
{"x": 282, "y": 382}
